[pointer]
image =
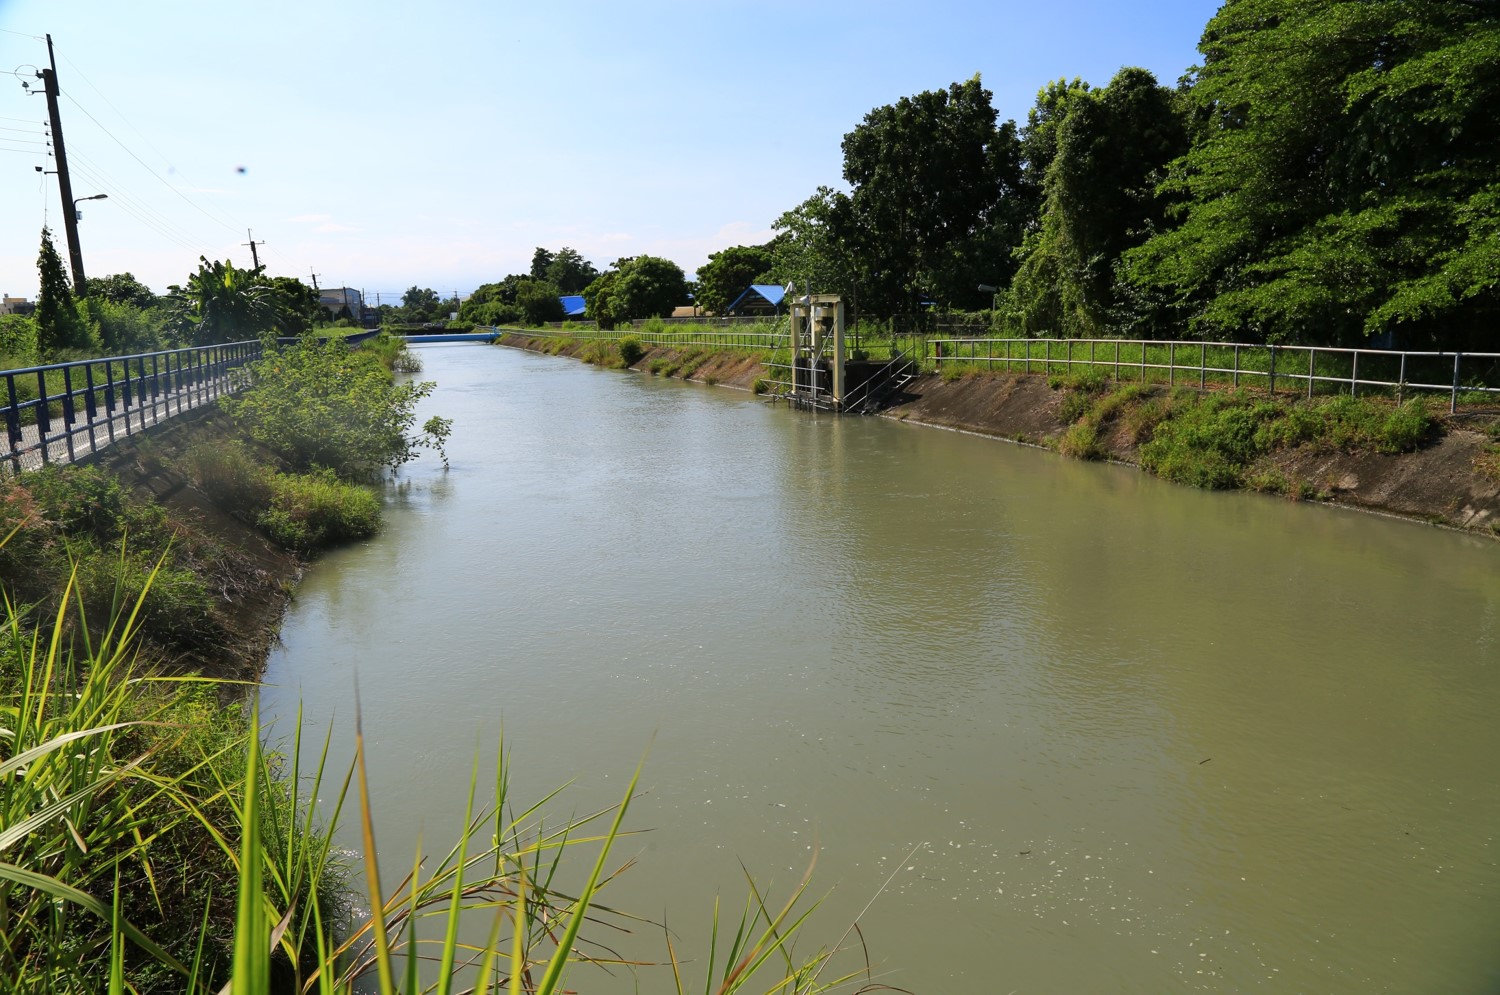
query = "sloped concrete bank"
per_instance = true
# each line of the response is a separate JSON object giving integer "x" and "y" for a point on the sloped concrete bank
{"x": 1440, "y": 483}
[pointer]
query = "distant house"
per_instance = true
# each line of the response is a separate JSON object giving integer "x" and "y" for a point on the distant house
{"x": 335, "y": 299}
{"x": 761, "y": 298}
{"x": 15, "y": 305}
{"x": 573, "y": 306}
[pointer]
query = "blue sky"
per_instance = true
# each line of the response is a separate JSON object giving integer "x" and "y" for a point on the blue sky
{"x": 383, "y": 144}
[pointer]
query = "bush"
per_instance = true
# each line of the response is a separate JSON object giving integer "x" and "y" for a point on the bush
{"x": 85, "y": 502}
{"x": 1209, "y": 443}
{"x": 310, "y": 511}
{"x": 230, "y": 476}
{"x": 631, "y": 349}
{"x": 322, "y": 404}
{"x": 1081, "y": 441}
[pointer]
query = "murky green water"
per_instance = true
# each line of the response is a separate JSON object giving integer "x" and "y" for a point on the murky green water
{"x": 1141, "y": 738}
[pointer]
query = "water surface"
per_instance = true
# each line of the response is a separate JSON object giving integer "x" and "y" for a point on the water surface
{"x": 1134, "y": 737}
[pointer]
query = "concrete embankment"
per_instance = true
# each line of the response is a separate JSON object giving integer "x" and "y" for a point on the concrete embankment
{"x": 1442, "y": 482}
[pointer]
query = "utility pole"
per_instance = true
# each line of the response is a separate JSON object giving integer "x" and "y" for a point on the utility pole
{"x": 64, "y": 181}
{"x": 315, "y": 280}
{"x": 254, "y": 256}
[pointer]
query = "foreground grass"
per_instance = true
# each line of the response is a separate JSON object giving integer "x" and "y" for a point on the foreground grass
{"x": 148, "y": 844}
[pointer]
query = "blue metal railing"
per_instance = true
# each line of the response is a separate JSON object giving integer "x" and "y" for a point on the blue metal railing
{"x": 62, "y": 411}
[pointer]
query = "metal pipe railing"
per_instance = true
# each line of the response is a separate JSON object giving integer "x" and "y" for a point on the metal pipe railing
{"x": 62, "y": 411}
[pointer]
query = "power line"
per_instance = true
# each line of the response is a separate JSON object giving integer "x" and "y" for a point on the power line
{"x": 185, "y": 199}
{"x": 138, "y": 210}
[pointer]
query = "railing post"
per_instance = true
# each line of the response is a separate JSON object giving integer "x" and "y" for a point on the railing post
{"x": 1312, "y": 368}
{"x": 1202, "y": 367}
{"x": 43, "y": 416}
{"x": 1354, "y": 376}
{"x": 91, "y": 406}
{"x": 1272, "y": 388}
{"x": 67, "y": 400}
{"x": 1453, "y": 400}
{"x": 1401, "y": 382}
{"x": 109, "y": 397}
{"x": 140, "y": 390}
{"x": 13, "y": 422}
{"x": 1172, "y": 363}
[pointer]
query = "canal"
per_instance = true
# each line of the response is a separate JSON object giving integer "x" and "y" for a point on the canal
{"x": 1100, "y": 733}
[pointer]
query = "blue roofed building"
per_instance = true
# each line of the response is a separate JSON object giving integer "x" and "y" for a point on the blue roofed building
{"x": 761, "y": 298}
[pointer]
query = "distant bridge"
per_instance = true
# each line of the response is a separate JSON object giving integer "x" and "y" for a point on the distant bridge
{"x": 489, "y": 336}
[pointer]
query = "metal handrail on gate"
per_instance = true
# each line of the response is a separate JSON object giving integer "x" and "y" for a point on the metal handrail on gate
{"x": 61, "y": 411}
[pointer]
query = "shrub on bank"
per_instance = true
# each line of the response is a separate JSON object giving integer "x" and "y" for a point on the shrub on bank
{"x": 314, "y": 510}
{"x": 631, "y": 349}
{"x": 323, "y": 404}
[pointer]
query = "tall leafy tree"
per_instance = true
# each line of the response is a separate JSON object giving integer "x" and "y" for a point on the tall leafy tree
{"x": 603, "y": 301}
{"x": 928, "y": 174}
{"x": 1105, "y": 152}
{"x": 59, "y": 326}
{"x": 635, "y": 287}
{"x": 569, "y": 271}
{"x": 540, "y": 260}
{"x": 223, "y": 303}
{"x": 122, "y": 288}
{"x": 1344, "y": 180}
{"x": 651, "y": 286}
{"x": 728, "y": 273}
{"x": 420, "y": 304}
{"x": 539, "y": 301}
{"x": 296, "y": 304}
{"x": 814, "y": 248}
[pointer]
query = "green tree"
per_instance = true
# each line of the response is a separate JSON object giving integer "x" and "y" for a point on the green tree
{"x": 540, "y": 260}
{"x": 813, "y": 250}
{"x": 123, "y": 288}
{"x": 59, "y": 326}
{"x": 420, "y": 304}
{"x": 223, "y": 303}
{"x": 650, "y": 286}
{"x": 928, "y": 175}
{"x": 539, "y": 302}
{"x": 1342, "y": 181}
{"x": 603, "y": 300}
{"x": 1108, "y": 149}
{"x": 296, "y": 304}
{"x": 570, "y": 271}
{"x": 728, "y": 273}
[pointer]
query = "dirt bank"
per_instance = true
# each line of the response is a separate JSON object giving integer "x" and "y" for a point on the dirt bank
{"x": 251, "y": 579}
{"x": 1439, "y": 483}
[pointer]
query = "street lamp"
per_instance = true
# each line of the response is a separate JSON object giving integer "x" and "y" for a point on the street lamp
{"x": 77, "y": 214}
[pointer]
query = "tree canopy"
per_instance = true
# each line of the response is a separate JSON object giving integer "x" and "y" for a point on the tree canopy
{"x": 929, "y": 176}
{"x": 636, "y": 287}
{"x": 1103, "y": 153}
{"x": 728, "y": 273}
{"x": 1344, "y": 178}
